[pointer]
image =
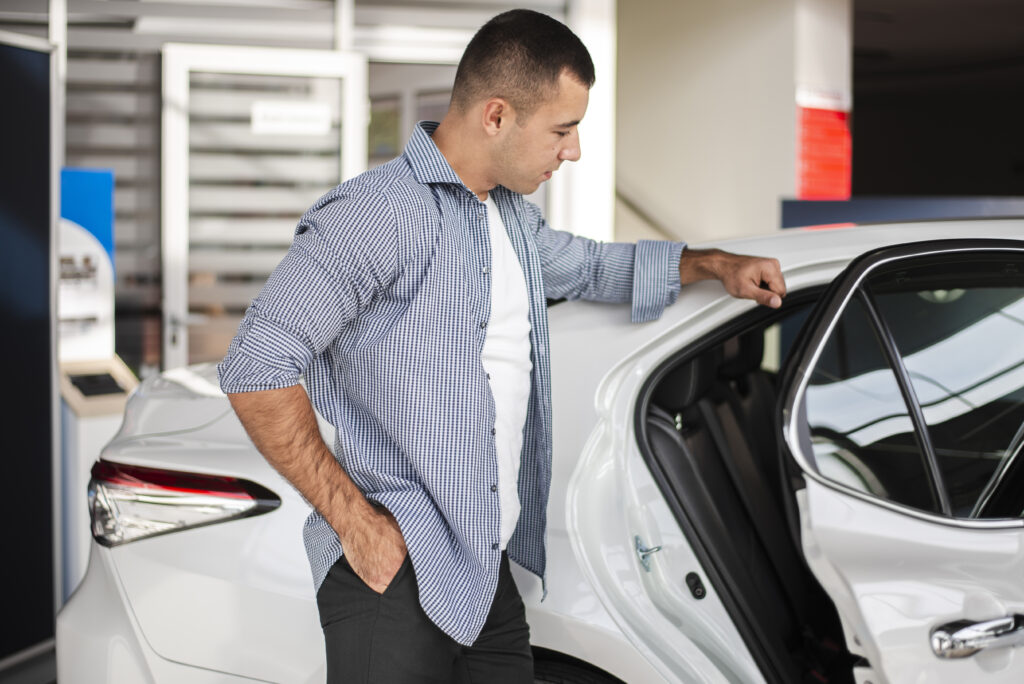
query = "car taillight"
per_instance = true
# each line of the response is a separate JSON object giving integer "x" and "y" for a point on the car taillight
{"x": 128, "y": 502}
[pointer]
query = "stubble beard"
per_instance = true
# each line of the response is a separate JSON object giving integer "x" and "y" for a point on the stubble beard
{"x": 506, "y": 160}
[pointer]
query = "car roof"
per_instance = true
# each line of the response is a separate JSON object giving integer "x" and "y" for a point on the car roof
{"x": 589, "y": 339}
{"x": 799, "y": 247}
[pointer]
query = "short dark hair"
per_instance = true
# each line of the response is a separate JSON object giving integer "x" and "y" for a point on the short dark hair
{"x": 519, "y": 56}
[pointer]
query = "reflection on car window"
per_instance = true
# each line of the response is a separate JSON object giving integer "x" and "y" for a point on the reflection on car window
{"x": 861, "y": 430}
{"x": 918, "y": 394}
{"x": 964, "y": 352}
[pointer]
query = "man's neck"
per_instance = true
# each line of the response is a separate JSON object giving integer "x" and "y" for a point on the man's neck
{"x": 463, "y": 155}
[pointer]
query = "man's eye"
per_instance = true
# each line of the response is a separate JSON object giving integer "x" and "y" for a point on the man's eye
{"x": 562, "y": 134}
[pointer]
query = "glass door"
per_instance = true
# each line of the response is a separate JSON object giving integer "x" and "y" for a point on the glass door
{"x": 251, "y": 137}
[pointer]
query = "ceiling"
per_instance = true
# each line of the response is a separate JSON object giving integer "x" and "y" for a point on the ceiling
{"x": 938, "y": 44}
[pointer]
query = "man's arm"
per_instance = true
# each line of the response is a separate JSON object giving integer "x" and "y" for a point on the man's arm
{"x": 578, "y": 267}
{"x": 746, "y": 277}
{"x": 282, "y": 425}
{"x": 344, "y": 255}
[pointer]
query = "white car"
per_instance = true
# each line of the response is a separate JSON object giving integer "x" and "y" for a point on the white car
{"x": 831, "y": 492}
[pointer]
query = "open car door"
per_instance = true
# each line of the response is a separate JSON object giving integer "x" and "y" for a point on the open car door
{"x": 902, "y": 416}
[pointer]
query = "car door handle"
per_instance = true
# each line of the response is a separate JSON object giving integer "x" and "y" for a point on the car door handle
{"x": 964, "y": 638}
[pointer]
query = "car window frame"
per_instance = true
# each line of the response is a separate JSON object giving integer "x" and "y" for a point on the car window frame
{"x": 721, "y": 578}
{"x": 821, "y": 325}
{"x": 933, "y": 473}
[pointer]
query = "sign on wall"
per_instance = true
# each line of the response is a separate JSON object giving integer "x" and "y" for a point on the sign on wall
{"x": 825, "y": 149}
{"x": 85, "y": 294}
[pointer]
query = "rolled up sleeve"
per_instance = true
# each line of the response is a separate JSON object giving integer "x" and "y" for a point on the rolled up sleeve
{"x": 343, "y": 256}
{"x": 263, "y": 355}
{"x": 655, "y": 278}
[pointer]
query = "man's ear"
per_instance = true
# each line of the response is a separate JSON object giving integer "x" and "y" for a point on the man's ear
{"x": 497, "y": 115}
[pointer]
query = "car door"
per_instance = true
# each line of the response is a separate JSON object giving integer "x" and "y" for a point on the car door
{"x": 902, "y": 420}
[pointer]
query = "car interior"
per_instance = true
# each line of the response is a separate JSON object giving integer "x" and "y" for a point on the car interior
{"x": 972, "y": 407}
{"x": 914, "y": 398}
{"x": 710, "y": 440}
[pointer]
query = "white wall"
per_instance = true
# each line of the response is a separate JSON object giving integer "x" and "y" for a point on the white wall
{"x": 707, "y": 112}
{"x": 581, "y": 196}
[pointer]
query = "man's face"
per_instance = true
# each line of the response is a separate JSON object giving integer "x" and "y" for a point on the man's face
{"x": 531, "y": 152}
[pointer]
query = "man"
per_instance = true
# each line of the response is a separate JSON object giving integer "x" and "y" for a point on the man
{"x": 413, "y": 300}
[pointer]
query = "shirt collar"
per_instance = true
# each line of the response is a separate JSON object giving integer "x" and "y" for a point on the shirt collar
{"x": 427, "y": 162}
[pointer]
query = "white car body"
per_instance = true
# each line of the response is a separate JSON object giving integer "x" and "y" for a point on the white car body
{"x": 234, "y": 601}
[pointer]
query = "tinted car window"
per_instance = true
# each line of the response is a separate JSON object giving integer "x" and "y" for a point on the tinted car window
{"x": 918, "y": 394}
{"x": 963, "y": 349}
{"x": 860, "y": 426}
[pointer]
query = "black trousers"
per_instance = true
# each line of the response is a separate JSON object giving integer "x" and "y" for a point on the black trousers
{"x": 386, "y": 638}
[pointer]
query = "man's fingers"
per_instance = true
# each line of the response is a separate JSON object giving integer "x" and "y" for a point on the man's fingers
{"x": 771, "y": 275}
{"x": 768, "y": 298}
{"x": 759, "y": 279}
{"x": 760, "y": 295}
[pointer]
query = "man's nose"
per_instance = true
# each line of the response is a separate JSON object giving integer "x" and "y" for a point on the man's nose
{"x": 571, "y": 150}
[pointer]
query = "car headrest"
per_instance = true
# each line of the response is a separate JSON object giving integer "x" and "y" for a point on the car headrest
{"x": 742, "y": 354}
{"x": 687, "y": 383}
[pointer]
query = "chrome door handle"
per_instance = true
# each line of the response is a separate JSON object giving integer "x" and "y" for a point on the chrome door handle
{"x": 964, "y": 638}
{"x": 644, "y": 552}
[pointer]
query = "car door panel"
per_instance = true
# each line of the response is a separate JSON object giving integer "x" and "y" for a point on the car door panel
{"x": 918, "y": 401}
{"x": 895, "y": 577}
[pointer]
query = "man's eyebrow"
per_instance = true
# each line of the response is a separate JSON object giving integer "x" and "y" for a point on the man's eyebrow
{"x": 568, "y": 125}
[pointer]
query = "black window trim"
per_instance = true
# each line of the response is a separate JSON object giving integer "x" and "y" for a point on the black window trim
{"x": 921, "y": 433}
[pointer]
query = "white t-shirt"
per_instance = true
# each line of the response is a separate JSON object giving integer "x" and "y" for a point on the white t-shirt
{"x": 506, "y": 359}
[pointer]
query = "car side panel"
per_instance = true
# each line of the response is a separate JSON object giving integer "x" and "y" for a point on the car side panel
{"x": 99, "y": 641}
{"x": 572, "y": 620}
{"x": 235, "y": 596}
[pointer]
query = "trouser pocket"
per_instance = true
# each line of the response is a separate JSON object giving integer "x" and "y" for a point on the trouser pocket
{"x": 400, "y": 574}
{"x": 344, "y": 598}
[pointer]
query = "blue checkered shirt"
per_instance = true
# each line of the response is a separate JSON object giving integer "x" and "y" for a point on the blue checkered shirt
{"x": 383, "y": 301}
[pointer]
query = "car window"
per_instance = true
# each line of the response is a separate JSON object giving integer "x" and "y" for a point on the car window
{"x": 918, "y": 394}
{"x": 861, "y": 429}
{"x": 780, "y": 337}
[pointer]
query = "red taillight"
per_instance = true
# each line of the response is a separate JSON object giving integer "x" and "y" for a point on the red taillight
{"x": 130, "y": 502}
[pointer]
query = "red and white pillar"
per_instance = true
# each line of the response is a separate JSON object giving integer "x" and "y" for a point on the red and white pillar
{"x": 726, "y": 108}
{"x": 824, "y": 99}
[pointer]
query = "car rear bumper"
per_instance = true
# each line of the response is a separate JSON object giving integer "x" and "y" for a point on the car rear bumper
{"x": 99, "y": 640}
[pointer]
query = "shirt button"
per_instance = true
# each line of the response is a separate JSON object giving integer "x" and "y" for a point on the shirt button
{"x": 493, "y": 431}
{"x": 486, "y": 270}
{"x": 483, "y": 324}
{"x": 494, "y": 488}
{"x": 488, "y": 376}
{"x": 494, "y": 546}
